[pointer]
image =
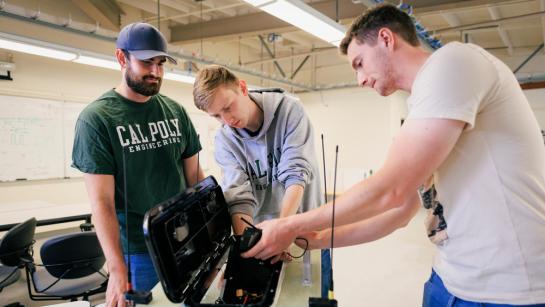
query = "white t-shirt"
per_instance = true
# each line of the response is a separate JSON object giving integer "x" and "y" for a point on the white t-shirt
{"x": 492, "y": 184}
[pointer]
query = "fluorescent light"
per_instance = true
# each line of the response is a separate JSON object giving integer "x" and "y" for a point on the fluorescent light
{"x": 180, "y": 76}
{"x": 24, "y": 47}
{"x": 98, "y": 62}
{"x": 258, "y": 2}
{"x": 304, "y": 17}
{"x": 32, "y": 46}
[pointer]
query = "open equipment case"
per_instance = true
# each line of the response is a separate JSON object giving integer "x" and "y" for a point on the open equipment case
{"x": 189, "y": 240}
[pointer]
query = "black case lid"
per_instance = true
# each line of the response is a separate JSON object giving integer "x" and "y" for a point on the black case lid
{"x": 187, "y": 237}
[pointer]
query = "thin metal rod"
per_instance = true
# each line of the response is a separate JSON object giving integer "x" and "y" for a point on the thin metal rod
{"x": 337, "y": 11}
{"x": 300, "y": 66}
{"x": 314, "y": 51}
{"x": 159, "y": 15}
{"x": 271, "y": 54}
{"x": 197, "y": 13}
{"x": 491, "y": 22}
{"x": 529, "y": 58}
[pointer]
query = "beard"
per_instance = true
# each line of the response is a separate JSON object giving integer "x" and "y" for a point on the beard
{"x": 386, "y": 85}
{"x": 140, "y": 86}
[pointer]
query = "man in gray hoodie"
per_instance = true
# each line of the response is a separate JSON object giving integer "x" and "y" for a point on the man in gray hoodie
{"x": 265, "y": 148}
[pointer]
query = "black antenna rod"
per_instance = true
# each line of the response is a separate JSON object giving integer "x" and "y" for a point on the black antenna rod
{"x": 250, "y": 224}
{"x": 331, "y": 293}
{"x": 325, "y": 181}
{"x": 198, "y": 159}
{"x": 129, "y": 280}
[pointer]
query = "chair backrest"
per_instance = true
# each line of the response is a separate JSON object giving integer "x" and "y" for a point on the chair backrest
{"x": 72, "y": 255}
{"x": 17, "y": 242}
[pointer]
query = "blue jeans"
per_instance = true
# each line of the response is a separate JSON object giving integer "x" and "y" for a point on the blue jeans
{"x": 436, "y": 295}
{"x": 143, "y": 274}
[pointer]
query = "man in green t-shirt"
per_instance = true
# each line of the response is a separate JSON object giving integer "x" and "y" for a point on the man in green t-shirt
{"x": 135, "y": 135}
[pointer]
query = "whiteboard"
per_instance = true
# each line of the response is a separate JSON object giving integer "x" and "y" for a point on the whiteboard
{"x": 31, "y": 138}
{"x": 37, "y": 135}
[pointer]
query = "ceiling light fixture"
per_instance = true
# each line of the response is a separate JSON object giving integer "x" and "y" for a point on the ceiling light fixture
{"x": 304, "y": 17}
{"x": 97, "y": 62}
{"x": 180, "y": 76}
{"x": 18, "y": 44}
{"x": 40, "y": 48}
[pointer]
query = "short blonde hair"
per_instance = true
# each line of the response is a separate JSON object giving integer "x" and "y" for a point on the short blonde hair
{"x": 208, "y": 80}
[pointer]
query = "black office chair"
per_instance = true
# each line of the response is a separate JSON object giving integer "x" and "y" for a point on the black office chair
{"x": 8, "y": 276}
{"x": 71, "y": 264}
{"x": 71, "y": 268}
{"x": 15, "y": 249}
{"x": 16, "y": 245}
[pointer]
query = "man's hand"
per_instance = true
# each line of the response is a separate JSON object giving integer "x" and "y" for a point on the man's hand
{"x": 276, "y": 238}
{"x": 117, "y": 286}
{"x": 283, "y": 256}
{"x": 316, "y": 239}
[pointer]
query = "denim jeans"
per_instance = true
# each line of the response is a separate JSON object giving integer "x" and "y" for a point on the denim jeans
{"x": 143, "y": 273}
{"x": 436, "y": 295}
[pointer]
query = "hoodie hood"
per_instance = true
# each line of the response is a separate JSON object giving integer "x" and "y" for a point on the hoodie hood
{"x": 268, "y": 100}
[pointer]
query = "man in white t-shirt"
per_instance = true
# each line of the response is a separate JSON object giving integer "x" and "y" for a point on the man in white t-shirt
{"x": 470, "y": 129}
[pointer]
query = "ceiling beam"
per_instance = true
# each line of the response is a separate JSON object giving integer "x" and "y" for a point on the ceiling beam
{"x": 186, "y": 9}
{"x": 105, "y": 12}
{"x": 300, "y": 38}
{"x": 255, "y": 23}
{"x": 198, "y": 12}
{"x": 321, "y": 50}
{"x": 487, "y": 24}
{"x": 495, "y": 13}
{"x": 451, "y": 19}
{"x": 542, "y": 7}
{"x": 150, "y": 7}
{"x": 528, "y": 58}
{"x": 460, "y": 6}
{"x": 218, "y": 8}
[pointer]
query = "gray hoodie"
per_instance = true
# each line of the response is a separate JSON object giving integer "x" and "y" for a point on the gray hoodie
{"x": 280, "y": 155}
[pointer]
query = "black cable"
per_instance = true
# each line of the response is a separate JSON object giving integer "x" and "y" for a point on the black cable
{"x": 250, "y": 224}
{"x": 304, "y": 251}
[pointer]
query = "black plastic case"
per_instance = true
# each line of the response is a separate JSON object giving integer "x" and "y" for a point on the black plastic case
{"x": 189, "y": 239}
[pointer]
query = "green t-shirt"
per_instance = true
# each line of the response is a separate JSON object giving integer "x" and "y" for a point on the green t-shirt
{"x": 155, "y": 137}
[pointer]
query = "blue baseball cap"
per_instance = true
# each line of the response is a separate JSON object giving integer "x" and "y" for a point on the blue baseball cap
{"x": 143, "y": 41}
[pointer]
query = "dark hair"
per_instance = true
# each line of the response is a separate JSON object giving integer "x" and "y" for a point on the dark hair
{"x": 127, "y": 54}
{"x": 366, "y": 26}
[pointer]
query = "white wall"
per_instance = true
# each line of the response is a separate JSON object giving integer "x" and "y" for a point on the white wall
{"x": 358, "y": 120}
{"x": 536, "y": 97}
